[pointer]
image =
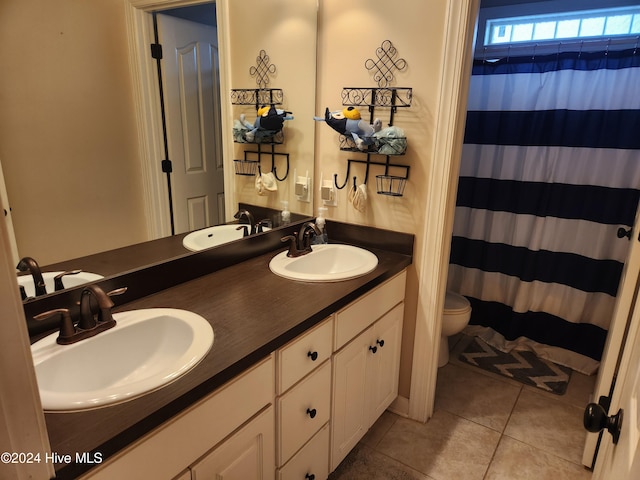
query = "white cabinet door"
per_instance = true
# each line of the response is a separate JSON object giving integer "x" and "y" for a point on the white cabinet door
{"x": 248, "y": 455}
{"x": 349, "y": 419}
{"x": 366, "y": 374}
{"x": 384, "y": 365}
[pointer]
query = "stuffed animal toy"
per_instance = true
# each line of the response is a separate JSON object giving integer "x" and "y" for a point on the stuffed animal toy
{"x": 349, "y": 123}
{"x": 269, "y": 121}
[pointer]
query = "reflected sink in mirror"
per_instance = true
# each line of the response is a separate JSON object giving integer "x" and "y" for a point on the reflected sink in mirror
{"x": 69, "y": 281}
{"x": 213, "y": 236}
{"x": 146, "y": 350}
{"x": 326, "y": 263}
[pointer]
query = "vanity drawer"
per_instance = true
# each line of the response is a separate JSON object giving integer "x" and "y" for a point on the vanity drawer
{"x": 313, "y": 459}
{"x": 357, "y": 316}
{"x": 302, "y": 355}
{"x": 302, "y": 411}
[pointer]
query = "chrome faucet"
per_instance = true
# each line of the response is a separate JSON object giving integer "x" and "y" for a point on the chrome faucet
{"x": 300, "y": 242}
{"x": 28, "y": 264}
{"x": 252, "y": 224}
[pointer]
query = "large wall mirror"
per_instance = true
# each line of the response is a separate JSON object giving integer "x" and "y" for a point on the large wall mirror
{"x": 81, "y": 131}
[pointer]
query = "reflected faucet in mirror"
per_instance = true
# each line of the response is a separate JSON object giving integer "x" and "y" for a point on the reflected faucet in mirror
{"x": 28, "y": 264}
{"x": 246, "y": 214}
{"x": 38, "y": 282}
{"x": 252, "y": 227}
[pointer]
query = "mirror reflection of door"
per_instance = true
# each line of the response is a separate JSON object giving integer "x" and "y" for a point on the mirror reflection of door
{"x": 6, "y": 215}
{"x": 190, "y": 79}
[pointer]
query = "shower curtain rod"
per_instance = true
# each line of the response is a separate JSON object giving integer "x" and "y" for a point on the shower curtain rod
{"x": 550, "y": 47}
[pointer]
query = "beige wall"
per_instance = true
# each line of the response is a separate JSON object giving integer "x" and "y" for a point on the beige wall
{"x": 68, "y": 144}
{"x": 350, "y": 32}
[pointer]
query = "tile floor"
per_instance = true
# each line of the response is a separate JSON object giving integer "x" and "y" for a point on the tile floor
{"x": 484, "y": 427}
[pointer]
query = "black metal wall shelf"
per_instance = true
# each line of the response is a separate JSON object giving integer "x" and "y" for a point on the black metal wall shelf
{"x": 264, "y": 143}
{"x": 257, "y": 97}
{"x": 383, "y": 96}
{"x": 395, "y": 97}
{"x": 372, "y": 98}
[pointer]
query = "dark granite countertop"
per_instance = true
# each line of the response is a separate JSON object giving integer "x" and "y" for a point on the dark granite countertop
{"x": 252, "y": 311}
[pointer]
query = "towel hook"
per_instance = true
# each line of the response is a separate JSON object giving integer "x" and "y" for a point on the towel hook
{"x": 346, "y": 180}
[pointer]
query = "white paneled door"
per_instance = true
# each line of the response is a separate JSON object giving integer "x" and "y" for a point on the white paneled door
{"x": 192, "y": 101}
{"x": 621, "y": 460}
{"x": 622, "y": 321}
{"x": 6, "y": 215}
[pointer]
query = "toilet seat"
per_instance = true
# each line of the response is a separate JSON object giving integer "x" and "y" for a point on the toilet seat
{"x": 455, "y": 304}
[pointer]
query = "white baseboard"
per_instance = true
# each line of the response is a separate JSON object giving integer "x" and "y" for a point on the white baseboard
{"x": 400, "y": 406}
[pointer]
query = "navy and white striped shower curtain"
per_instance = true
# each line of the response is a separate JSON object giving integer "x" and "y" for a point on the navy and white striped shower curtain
{"x": 550, "y": 170}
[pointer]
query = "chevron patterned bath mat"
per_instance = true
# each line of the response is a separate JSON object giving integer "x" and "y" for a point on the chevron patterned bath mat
{"x": 523, "y": 366}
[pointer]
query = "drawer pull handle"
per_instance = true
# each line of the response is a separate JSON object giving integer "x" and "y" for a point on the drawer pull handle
{"x": 373, "y": 349}
{"x": 313, "y": 356}
{"x": 380, "y": 342}
{"x": 310, "y": 476}
{"x": 312, "y": 412}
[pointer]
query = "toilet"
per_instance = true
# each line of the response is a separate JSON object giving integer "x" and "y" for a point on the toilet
{"x": 457, "y": 311}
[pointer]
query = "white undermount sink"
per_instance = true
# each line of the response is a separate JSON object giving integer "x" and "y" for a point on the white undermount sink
{"x": 213, "y": 236}
{"x": 68, "y": 281}
{"x": 146, "y": 350}
{"x": 326, "y": 263}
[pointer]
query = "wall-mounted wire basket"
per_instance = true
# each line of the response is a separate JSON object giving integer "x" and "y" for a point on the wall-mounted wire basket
{"x": 390, "y": 185}
{"x": 261, "y": 136}
{"x": 246, "y": 167}
{"x": 377, "y": 145}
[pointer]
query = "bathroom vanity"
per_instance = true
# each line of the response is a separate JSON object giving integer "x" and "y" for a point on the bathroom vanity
{"x": 297, "y": 374}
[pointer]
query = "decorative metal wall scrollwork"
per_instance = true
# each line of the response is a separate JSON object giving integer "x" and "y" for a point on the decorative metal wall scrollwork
{"x": 262, "y": 69}
{"x": 383, "y": 68}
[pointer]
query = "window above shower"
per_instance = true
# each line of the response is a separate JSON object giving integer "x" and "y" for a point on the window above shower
{"x": 516, "y": 27}
{"x": 587, "y": 24}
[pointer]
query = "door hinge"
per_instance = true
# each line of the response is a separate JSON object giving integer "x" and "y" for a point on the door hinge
{"x": 156, "y": 51}
{"x": 166, "y": 166}
{"x": 604, "y": 402}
